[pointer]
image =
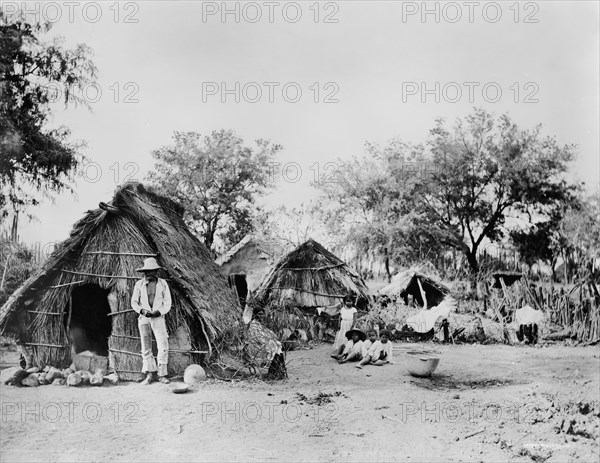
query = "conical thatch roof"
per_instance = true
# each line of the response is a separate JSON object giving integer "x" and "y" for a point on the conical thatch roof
{"x": 310, "y": 276}
{"x": 104, "y": 249}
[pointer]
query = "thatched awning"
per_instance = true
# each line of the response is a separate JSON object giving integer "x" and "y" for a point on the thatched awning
{"x": 311, "y": 276}
{"x": 411, "y": 282}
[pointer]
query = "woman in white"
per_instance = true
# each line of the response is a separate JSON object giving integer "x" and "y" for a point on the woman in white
{"x": 348, "y": 318}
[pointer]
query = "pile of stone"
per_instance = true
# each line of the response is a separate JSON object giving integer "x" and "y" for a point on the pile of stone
{"x": 33, "y": 377}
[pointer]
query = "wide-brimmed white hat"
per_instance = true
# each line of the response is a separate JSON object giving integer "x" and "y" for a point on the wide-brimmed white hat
{"x": 149, "y": 264}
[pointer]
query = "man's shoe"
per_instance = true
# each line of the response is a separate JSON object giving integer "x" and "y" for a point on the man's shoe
{"x": 149, "y": 379}
{"x": 163, "y": 379}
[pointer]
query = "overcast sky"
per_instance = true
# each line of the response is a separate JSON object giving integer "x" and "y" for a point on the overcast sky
{"x": 367, "y": 59}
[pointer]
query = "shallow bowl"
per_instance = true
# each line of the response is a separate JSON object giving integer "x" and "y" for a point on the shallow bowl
{"x": 421, "y": 364}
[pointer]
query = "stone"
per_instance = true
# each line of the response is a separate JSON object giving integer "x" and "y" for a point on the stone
{"x": 33, "y": 370}
{"x": 112, "y": 378}
{"x": 30, "y": 381}
{"x": 194, "y": 374}
{"x": 53, "y": 374}
{"x": 97, "y": 378}
{"x": 85, "y": 376}
{"x": 59, "y": 382}
{"x": 13, "y": 376}
{"x": 74, "y": 379}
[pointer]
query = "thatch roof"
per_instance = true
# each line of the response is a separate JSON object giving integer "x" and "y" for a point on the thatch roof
{"x": 407, "y": 282}
{"x": 253, "y": 257}
{"x": 310, "y": 276}
{"x": 104, "y": 249}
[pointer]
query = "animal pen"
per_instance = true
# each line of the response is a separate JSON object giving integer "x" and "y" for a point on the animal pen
{"x": 80, "y": 299}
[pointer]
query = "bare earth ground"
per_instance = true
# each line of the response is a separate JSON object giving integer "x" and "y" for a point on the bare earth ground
{"x": 530, "y": 404}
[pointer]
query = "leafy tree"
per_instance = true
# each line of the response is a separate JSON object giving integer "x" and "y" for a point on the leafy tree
{"x": 370, "y": 204}
{"x": 217, "y": 179}
{"x": 34, "y": 157}
{"x": 458, "y": 191}
{"x": 487, "y": 171}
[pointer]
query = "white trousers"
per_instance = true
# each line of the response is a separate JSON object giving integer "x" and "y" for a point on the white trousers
{"x": 157, "y": 325}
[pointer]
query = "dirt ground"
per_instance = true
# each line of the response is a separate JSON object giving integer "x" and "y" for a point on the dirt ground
{"x": 484, "y": 403}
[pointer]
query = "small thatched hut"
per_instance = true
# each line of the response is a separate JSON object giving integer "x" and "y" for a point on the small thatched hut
{"x": 311, "y": 276}
{"x": 248, "y": 262}
{"x": 417, "y": 285}
{"x": 80, "y": 299}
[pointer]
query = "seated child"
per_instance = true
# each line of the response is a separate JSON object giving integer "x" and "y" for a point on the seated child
{"x": 352, "y": 349}
{"x": 372, "y": 339}
{"x": 380, "y": 352}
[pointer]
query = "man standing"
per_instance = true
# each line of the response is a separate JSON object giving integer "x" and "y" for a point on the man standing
{"x": 152, "y": 300}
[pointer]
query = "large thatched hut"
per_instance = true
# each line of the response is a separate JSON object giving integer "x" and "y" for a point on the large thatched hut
{"x": 311, "y": 276}
{"x": 80, "y": 299}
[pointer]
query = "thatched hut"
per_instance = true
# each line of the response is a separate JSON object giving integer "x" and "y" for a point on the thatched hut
{"x": 248, "y": 262}
{"x": 311, "y": 276}
{"x": 80, "y": 299}
{"x": 418, "y": 285}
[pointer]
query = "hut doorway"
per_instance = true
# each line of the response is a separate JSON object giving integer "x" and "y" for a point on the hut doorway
{"x": 238, "y": 282}
{"x": 90, "y": 326}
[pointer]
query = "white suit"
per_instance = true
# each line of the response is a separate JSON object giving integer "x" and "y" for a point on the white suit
{"x": 156, "y": 325}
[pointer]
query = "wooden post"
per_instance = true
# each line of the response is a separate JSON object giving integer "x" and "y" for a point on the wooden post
{"x": 423, "y": 295}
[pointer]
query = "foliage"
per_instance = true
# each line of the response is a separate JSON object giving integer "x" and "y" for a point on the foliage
{"x": 217, "y": 179}
{"x": 370, "y": 204}
{"x": 32, "y": 72}
{"x": 17, "y": 264}
{"x": 458, "y": 191}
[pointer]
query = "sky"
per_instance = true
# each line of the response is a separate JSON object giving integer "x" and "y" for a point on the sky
{"x": 320, "y": 79}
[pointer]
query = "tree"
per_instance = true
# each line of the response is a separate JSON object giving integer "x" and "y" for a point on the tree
{"x": 32, "y": 73}
{"x": 370, "y": 204}
{"x": 217, "y": 179}
{"x": 488, "y": 171}
{"x": 460, "y": 190}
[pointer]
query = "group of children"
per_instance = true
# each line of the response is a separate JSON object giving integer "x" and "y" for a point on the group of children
{"x": 365, "y": 349}
{"x": 352, "y": 345}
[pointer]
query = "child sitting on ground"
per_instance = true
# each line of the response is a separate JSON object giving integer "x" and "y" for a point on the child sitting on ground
{"x": 353, "y": 349}
{"x": 380, "y": 352}
{"x": 372, "y": 339}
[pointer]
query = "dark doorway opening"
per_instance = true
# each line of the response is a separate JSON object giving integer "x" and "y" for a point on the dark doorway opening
{"x": 90, "y": 325}
{"x": 238, "y": 282}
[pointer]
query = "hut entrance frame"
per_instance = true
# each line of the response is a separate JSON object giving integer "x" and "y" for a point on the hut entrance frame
{"x": 89, "y": 324}
{"x": 238, "y": 282}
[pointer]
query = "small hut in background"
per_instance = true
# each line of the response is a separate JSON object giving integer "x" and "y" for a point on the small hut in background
{"x": 80, "y": 299}
{"x": 311, "y": 276}
{"x": 248, "y": 262}
{"x": 425, "y": 290}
